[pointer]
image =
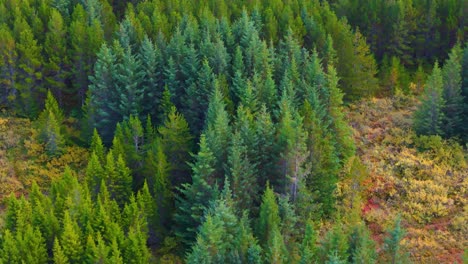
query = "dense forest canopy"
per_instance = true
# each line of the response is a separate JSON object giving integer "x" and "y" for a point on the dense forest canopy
{"x": 233, "y": 131}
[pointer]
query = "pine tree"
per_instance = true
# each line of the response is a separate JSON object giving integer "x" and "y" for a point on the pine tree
{"x": 135, "y": 250}
{"x": 8, "y": 69}
{"x": 97, "y": 147}
{"x": 361, "y": 246}
{"x": 115, "y": 255}
{"x": 428, "y": 117}
{"x": 194, "y": 198}
{"x": 197, "y": 101}
{"x": 71, "y": 241}
{"x": 218, "y": 131}
{"x": 292, "y": 141}
{"x": 129, "y": 78}
{"x": 101, "y": 100}
{"x": 265, "y": 153}
{"x": 32, "y": 245}
{"x": 177, "y": 143}
{"x": 55, "y": 47}
{"x": 394, "y": 251}
{"x": 51, "y": 136}
{"x": 269, "y": 219}
{"x": 10, "y": 252}
{"x": 242, "y": 173}
{"x": 157, "y": 171}
{"x": 335, "y": 245}
{"x": 120, "y": 182}
{"x": 463, "y": 129}
{"x": 308, "y": 249}
{"x": 451, "y": 74}
{"x": 59, "y": 255}
{"x": 94, "y": 174}
{"x": 151, "y": 63}
{"x": 29, "y": 74}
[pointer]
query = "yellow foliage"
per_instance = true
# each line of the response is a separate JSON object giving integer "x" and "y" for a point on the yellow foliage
{"x": 425, "y": 200}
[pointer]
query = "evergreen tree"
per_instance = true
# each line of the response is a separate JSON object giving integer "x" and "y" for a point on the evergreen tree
{"x": 97, "y": 147}
{"x": 59, "y": 255}
{"x": 10, "y": 250}
{"x": 335, "y": 245}
{"x": 120, "y": 182}
{"x": 55, "y": 47}
{"x": 8, "y": 69}
{"x": 151, "y": 63}
{"x": 242, "y": 173}
{"x": 177, "y": 143}
{"x": 463, "y": 129}
{"x": 129, "y": 78}
{"x": 451, "y": 74}
{"x": 428, "y": 117}
{"x": 71, "y": 241}
{"x": 308, "y": 249}
{"x": 394, "y": 251}
{"x": 29, "y": 74}
{"x": 194, "y": 198}
{"x": 101, "y": 101}
{"x": 218, "y": 131}
{"x": 361, "y": 246}
{"x": 158, "y": 179}
{"x": 269, "y": 219}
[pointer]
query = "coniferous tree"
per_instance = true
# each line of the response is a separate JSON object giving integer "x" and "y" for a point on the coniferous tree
{"x": 101, "y": 100}
{"x": 361, "y": 246}
{"x": 308, "y": 248}
{"x": 428, "y": 117}
{"x": 59, "y": 255}
{"x": 218, "y": 131}
{"x": 463, "y": 129}
{"x": 129, "y": 78}
{"x": 71, "y": 241}
{"x": 242, "y": 173}
{"x": 177, "y": 143}
{"x": 8, "y": 69}
{"x": 10, "y": 250}
{"x": 392, "y": 247}
{"x": 29, "y": 74}
{"x": 195, "y": 198}
{"x": 269, "y": 219}
{"x": 451, "y": 74}
{"x": 58, "y": 62}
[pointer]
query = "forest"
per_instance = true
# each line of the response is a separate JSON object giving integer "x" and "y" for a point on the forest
{"x": 233, "y": 131}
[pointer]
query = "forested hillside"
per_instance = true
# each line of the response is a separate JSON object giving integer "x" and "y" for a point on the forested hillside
{"x": 233, "y": 131}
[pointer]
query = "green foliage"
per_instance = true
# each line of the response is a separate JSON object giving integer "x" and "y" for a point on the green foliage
{"x": 392, "y": 246}
{"x": 177, "y": 144}
{"x": 269, "y": 219}
{"x": 429, "y": 116}
{"x": 196, "y": 197}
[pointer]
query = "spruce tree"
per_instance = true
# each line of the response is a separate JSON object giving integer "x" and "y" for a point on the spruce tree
{"x": 101, "y": 101}
{"x": 71, "y": 240}
{"x": 392, "y": 245}
{"x": 218, "y": 131}
{"x": 269, "y": 219}
{"x": 177, "y": 143}
{"x": 242, "y": 173}
{"x": 308, "y": 248}
{"x": 8, "y": 69}
{"x": 195, "y": 198}
{"x": 451, "y": 74}
{"x": 57, "y": 67}
{"x": 428, "y": 118}
{"x": 463, "y": 129}
{"x": 29, "y": 75}
{"x": 59, "y": 255}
